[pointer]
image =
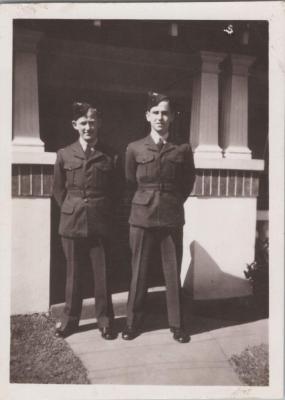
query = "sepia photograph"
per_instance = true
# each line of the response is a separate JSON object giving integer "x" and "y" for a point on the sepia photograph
{"x": 145, "y": 191}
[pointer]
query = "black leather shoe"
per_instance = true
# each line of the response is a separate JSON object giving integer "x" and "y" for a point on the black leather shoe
{"x": 107, "y": 333}
{"x": 180, "y": 335}
{"x": 130, "y": 333}
{"x": 66, "y": 331}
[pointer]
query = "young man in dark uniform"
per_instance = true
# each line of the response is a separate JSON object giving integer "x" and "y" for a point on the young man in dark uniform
{"x": 163, "y": 173}
{"x": 84, "y": 178}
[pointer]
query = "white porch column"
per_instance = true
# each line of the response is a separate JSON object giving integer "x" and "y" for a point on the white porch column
{"x": 234, "y": 126}
{"x": 205, "y": 107}
{"x": 26, "y": 131}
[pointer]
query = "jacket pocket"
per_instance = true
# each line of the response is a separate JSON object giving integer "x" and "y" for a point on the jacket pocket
{"x": 177, "y": 159}
{"x": 101, "y": 173}
{"x": 144, "y": 159}
{"x": 67, "y": 208}
{"x": 143, "y": 198}
{"x": 72, "y": 171}
{"x": 104, "y": 166}
{"x": 174, "y": 166}
{"x": 145, "y": 166}
{"x": 72, "y": 165}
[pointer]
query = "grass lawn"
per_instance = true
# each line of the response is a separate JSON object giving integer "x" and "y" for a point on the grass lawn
{"x": 252, "y": 365}
{"x": 37, "y": 356}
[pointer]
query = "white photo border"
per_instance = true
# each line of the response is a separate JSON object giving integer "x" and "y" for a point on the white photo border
{"x": 274, "y": 13}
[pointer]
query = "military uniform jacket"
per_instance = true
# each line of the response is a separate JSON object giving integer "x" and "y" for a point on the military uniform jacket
{"x": 84, "y": 190}
{"x": 164, "y": 179}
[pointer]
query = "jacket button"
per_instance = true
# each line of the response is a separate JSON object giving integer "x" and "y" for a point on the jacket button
{"x": 85, "y": 200}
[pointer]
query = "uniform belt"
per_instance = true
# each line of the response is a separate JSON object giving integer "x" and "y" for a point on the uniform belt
{"x": 163, "y": 187}
{"x": 83, "y": 193}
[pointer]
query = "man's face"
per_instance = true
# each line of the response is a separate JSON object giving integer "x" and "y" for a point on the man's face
{"x": 160, "y": 117}
{"x": 88, "y": 126}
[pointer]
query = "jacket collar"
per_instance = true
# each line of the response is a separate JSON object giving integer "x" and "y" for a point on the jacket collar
{"x": 149, "y": 143}
{"x": 156, "y": 137}
{"x": 79, "y": 153}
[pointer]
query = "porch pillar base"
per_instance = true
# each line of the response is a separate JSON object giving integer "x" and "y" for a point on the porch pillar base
{"x": 208, "y": 151}
{"x": 237, "y": 152}
{"x": 28, "y": 144}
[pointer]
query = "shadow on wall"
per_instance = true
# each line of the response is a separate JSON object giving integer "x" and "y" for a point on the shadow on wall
{"x": 212, "y": 293}
{"x": 205, "y": 280}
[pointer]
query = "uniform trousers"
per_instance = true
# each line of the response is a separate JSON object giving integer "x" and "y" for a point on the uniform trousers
{"x": 77, "y": 251}
{"x": 142, "y": 243}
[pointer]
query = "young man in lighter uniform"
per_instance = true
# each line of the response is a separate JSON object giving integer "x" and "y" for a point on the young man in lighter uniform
{"x": 163, "y": 175}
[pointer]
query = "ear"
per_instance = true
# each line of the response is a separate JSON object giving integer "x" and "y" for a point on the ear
{"x": 74, "y": 124}
{"x": 147, "y": 115}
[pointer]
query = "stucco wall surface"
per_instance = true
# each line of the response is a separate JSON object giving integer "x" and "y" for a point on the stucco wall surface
{"x": 30, "y": 270}
{"x": 219, "y": 237}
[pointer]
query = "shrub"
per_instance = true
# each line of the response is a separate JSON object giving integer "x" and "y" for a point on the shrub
{"x": 258, "y": 274}
{"x": 252, "y": 365}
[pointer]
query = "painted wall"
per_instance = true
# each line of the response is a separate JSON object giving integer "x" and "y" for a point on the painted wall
{"x": 219, "y": 237}
{"x": 30, "y": 270}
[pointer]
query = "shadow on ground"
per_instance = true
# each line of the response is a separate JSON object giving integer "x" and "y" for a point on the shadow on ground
{"x": 199, "y": 316}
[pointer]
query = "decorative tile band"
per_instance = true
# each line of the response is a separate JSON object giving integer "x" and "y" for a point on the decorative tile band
{"x": 32, "y": 180}
{"x": 226, "y": 183}
{"x": 36, "y": 181}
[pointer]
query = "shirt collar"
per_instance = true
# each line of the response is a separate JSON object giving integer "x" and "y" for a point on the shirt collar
{"x": 156, "y": 137}
{"x": 84, "y": 144}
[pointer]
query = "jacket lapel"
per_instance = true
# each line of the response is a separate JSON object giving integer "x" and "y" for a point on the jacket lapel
{"x": 98, "y": 153}
{"x": 149, "y": 143}
{"x": 77, "y": 150}
{"x": 167, "y": 147}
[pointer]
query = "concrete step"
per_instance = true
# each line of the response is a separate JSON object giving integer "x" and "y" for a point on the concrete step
{"x": 88, "y": 307}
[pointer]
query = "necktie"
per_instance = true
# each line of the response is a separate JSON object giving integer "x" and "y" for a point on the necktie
{"x": 160, "y": 144}
{"x": 88, "y": 151}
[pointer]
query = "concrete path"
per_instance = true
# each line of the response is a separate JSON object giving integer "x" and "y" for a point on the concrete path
{"x": 154, "y": 358}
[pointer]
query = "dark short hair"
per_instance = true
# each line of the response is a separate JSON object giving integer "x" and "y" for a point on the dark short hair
{"x": 154, "y": 98}
{"x": 79, "y": 109}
